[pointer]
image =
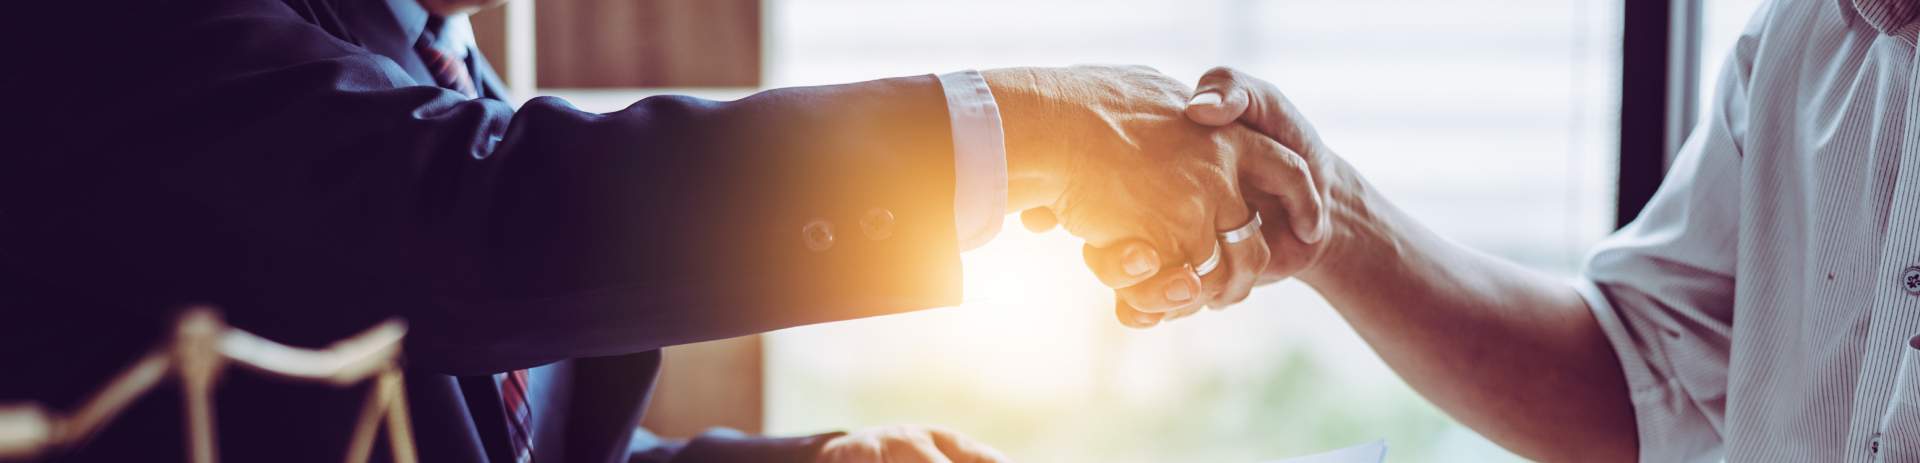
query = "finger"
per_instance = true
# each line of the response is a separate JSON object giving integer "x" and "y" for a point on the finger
{"x": 1220, "y": 99}
{"x": 962, "y": 449}
{"x": 1243, "y": 262}
{"x": 1268, "y": 167}
{"x": 1182, "y": 313}
{"x": 1122, "y": 265}
{"x": 1215, "y": 285}
{"x": 1211, "y": 283}
{"x": 1175, "y": 286}
{"x": 1133, "y": 318}
{"x": 1171, "y": 289}
{"x": 1287, "y": 255}
{"x": 1252, "y": 101}
{"x": 906, "y": 449}
{"x": 1039, "y": 219}
{"x": 1229, "y": 213}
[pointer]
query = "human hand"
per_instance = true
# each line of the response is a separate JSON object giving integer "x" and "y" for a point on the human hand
{"x": 906, "y": 444}
{"x": 1107, "y": 153}
{"x": 1225, "y": 96}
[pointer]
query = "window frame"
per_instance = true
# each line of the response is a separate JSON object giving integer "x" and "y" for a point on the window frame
{"x": 1659, "y": 75}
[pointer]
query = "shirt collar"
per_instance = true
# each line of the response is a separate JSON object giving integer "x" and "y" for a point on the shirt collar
{"x": 413, "y": 18}
{"x": 1890, "y": 17}
{"x": 454, "y": 34}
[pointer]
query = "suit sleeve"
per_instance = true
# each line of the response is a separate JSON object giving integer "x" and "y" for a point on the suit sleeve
{"x": 515, "y": 238}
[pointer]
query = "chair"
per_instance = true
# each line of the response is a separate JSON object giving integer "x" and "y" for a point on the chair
{"x": 200, "y": 351}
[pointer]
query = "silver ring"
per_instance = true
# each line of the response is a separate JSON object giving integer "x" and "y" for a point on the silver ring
{"x": 1245, "y": 231}
{"x": 1211, "y": 263}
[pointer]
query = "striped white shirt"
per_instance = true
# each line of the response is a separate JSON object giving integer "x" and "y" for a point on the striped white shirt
{"x": 1765, "y": 306}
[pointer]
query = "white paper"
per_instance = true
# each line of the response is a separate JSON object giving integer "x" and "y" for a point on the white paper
{"x": 1371, "y": 452}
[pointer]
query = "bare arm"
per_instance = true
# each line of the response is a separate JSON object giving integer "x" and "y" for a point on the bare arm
{"x": 1511, "y": 352}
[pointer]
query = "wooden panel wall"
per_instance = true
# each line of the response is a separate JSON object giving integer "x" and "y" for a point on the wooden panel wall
{"x": 709, "y": 384}
{"x": 490, "y": 35}
{"x": 647, "y": 43}
{"x": 635, "y": 43}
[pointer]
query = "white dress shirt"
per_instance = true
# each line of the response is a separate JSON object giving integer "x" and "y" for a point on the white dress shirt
{"x": 979, "y": 158}
{"x": 1765, "y": 305}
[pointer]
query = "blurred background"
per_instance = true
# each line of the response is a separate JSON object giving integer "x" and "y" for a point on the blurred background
{"x": 1496, "y": 122}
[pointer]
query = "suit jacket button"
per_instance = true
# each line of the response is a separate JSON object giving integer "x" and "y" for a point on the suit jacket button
{"x": 818, "y": 234}
{"x": 878, "y": 224}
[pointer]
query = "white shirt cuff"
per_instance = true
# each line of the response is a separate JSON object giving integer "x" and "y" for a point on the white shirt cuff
{"x": 979, "y": 158}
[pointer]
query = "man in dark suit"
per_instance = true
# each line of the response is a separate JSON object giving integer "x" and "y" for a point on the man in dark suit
{"x": 314, "y": 166}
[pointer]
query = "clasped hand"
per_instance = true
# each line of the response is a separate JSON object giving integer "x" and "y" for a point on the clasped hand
{"x": 1149, "y": 175}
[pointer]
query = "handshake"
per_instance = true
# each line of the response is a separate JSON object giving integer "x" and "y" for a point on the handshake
{"x": 1181, "y": 207}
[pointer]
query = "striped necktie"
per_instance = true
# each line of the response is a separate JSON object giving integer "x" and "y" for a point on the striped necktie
{"x": 513, "y": 394}
{"x": 449, "y": 72}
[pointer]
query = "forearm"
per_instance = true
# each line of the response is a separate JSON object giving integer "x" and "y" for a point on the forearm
{"x": 633, "y": 230}
{"x": 1513, "y": 353}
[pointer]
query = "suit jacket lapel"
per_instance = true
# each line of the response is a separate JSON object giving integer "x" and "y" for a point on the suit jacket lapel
{"x": 443, "y": 427}
{"x": 489, "y": 415}
{"x": 376, "y": 27}
{"x": 490, "y": 84}
{"x": 609, "y": 396}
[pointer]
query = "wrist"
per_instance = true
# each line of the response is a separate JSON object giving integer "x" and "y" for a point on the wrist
{"x": 1355, "y": 227}
{"x": 1037, "y": 148}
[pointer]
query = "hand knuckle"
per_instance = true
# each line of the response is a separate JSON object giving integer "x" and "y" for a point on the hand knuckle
{"x": 1221, "y": 72}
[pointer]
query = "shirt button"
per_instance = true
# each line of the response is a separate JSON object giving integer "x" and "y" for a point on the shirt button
{"x": 1911, "y": 280}
{"x": 1873, "y": 445}
{"x": 878, "y": 224}
{"x": 818, "y": 234}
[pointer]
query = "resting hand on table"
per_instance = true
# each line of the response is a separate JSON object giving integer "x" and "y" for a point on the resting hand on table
{"x": 906, "y": 444}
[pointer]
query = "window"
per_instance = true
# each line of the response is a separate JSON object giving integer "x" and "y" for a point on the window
{"x": 1493, "y": 121}
{"x": 1721, "y": 22}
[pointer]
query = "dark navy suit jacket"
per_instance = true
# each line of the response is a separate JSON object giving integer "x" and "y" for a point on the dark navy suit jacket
{"x": 289, "y": 162}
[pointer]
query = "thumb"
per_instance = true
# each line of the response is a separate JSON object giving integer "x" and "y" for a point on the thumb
{"x": 1220, "y": 98}
{"x": 1039, "y": 219}
{"x": 962, "y": 449}
{"x": 1217, "y": 105}
{"x": 1274, "y": 169}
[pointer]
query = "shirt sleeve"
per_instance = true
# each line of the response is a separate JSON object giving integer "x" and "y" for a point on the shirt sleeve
{"x": 979, "y": 158}
{"x": 1662, "y": 288}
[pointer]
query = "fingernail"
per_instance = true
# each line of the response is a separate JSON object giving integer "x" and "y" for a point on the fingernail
{"x": 1139, "y": 261}
{"x": 1205, "y": 99}
{"x": 1179, "y": 291}
{"x": 1144, "y": 319}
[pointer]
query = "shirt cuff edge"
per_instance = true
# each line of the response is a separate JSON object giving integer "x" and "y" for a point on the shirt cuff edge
{"x": 980, "y": 158}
